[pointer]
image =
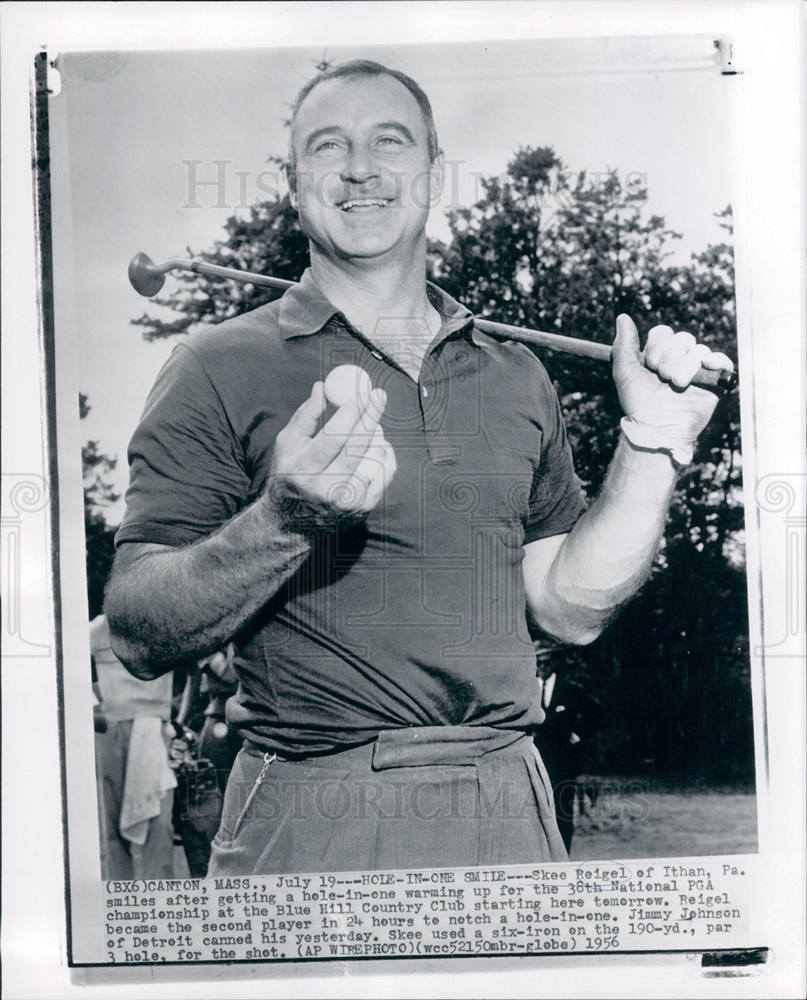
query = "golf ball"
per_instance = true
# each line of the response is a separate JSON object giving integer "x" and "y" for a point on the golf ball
{"x": 347, "y": 382}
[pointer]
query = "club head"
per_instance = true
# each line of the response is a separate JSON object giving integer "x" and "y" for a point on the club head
{"x": 144, "y": 276}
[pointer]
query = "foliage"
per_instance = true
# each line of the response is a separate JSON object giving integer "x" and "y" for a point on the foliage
{"x": 98, "y": 494}
{"x": 546, "y": 249}
{"x": 269, "y": 240}
{"x": 564, "y": 252}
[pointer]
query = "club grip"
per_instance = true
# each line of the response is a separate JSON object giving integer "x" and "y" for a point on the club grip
{"x": 718, "y": 378}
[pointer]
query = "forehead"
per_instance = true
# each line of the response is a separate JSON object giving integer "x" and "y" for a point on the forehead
{"x": 358, "y": 101}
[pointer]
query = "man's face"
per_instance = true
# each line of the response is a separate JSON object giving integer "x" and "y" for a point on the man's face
{"x": 364, "y": 176}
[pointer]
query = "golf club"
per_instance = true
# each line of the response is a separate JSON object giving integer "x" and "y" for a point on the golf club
{"x": 148, "y": 278}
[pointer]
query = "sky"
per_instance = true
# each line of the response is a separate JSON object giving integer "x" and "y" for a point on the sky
{"x": 135, "y": 136}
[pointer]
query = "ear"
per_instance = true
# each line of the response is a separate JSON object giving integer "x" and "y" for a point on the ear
{"x": 291, "y": 180}
{"x": 437, "y": 178}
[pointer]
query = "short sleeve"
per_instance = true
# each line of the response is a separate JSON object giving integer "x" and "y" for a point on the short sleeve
{"x": 556, "y": 497}
{"x": 186, "y": 470}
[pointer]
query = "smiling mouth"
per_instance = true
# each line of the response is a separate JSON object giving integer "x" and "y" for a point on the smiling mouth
{"x": 354, "y": 204}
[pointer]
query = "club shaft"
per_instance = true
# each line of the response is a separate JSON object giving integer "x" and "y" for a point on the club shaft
{"x": 217, "y": 271}
{"x": 554, "y": 341}
{"x": 539, "y": 338}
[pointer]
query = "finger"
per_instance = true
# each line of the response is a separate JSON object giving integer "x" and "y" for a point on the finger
{"x": 334, "y": 436}
{"x": 343, "y": 441}
{"x": 342, "y": 493}
{"x": 716, "y": 361}
{"x": 229, "y": 668}
{"x": 356, "y": 449}
{"x": 304, "y": 419}
{"x": 367, "y": 413}
{"x": 217, "y": 661}
{"x": 671, "y": 354}
{"x": 371, "y": 455}
{"x": 626, "y": 346}
{"x": 658, "y": 340}
{"x": 382, "y": 465}
{"x": 220, "y": 664}
{"x": 374, "y": 405}
{"x": 683, "y": 368}
{"x": 361, "y": 489}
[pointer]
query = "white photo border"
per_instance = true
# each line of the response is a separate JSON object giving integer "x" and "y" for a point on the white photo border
{"x": 770, "y": 311}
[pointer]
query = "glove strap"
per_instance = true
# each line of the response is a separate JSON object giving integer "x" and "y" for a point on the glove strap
{"x": 642, "y": 436}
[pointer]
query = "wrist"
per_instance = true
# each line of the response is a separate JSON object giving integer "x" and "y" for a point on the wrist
{"x": 643, "y": 437}
{"x": 640, "y": 476}
{"x": 301, "y": 513}
{"x": 274, "y": 539}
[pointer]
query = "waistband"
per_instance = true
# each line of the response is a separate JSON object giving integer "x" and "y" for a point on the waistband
{"x": 419, "y": 746}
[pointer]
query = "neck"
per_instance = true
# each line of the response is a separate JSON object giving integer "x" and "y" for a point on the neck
{"x": 387, "y": 304}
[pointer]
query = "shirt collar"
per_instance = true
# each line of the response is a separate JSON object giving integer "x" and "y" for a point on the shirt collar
{"x": 304, "y": 310}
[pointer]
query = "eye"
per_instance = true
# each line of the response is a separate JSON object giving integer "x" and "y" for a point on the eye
{"x": 389, "y": 140}
{"x": 326, "y": 146}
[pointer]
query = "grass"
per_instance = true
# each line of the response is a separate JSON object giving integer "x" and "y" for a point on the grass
{"x": 628, "y": 821}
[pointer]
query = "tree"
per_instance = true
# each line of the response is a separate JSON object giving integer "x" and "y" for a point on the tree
{"x": 568, "y": 253}
{"x": 98, "y": 494}
{"x": 565, "y": 252}
{"x": 268, "y": 240}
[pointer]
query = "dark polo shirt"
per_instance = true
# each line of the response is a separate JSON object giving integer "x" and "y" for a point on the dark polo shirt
{"x": 417, "y": 616}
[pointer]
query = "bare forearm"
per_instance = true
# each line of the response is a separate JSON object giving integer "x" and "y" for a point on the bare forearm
{"x": 607, "y": 555}
{"x": 176, "y": 604}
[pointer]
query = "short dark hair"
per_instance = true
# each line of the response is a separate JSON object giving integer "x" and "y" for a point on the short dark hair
{"x": 356, "y": 69}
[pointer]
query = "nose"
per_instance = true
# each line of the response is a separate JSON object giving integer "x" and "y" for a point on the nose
{"x": 358, "y": 166}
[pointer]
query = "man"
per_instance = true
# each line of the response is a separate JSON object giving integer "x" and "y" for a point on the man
{"x": 374, "y": 563}
{"x": 572, "y": 719}
{"x": 134, "y": 781}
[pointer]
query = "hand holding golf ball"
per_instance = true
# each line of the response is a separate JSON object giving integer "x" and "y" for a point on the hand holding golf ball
{"x": 348, "y": 463}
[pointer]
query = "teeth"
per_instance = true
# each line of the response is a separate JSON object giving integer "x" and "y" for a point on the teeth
{"x": 363, "y": 202}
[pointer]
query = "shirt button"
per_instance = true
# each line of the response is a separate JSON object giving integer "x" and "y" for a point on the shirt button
{"x": 425, "y": 391}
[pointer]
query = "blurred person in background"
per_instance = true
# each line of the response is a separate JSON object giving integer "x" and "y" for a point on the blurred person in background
{"x": 571, "y": 718}
{"x": 134, "y": 780}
